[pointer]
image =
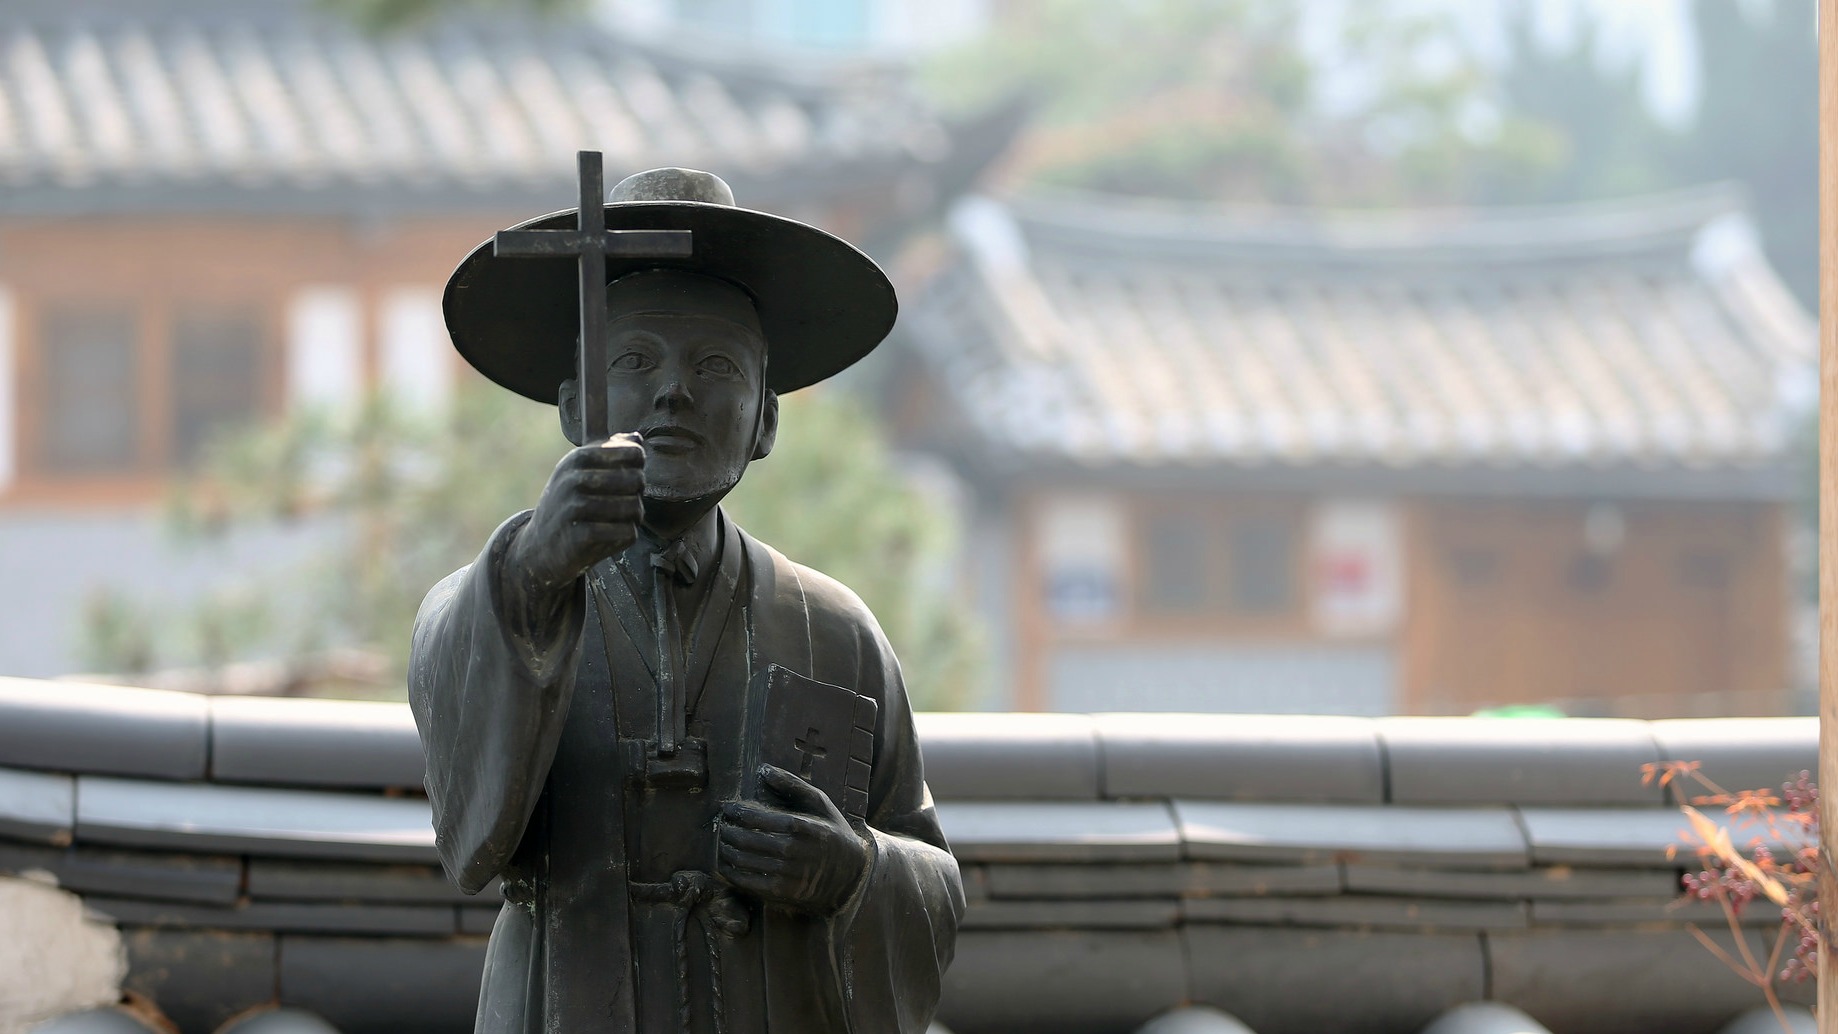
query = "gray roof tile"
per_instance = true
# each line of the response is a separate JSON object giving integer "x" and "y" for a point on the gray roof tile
{"x": 289, "y": 823}
{"x": 200, "y": 978}
{"x": 1168, "y": 880}
{"x": 423, "y": 920}
{"x": 1071, "y": 915}
{"x": 1613, "y": 981}
{"x": 285, "y": 879}
{"x": 1076, "y": 980}
{"x": 1456, "y": 838}
{"x": 1242, "y": 757}
{"x": 1634, "y": 837}
{"x": 1557, "y": 882}
{"x": 75, "y": 727}
{"x": 1107, "y": 332}
{"x": 1518, "y": 760}
{"x": 1060, "y": 831}
{"x": 1358, "y": 911}
{"x": 37, "y": 806}
{"x": 1018, "y": 756}
{"x": 1277, "y": 979}
{"x": 381, "y": 984}
{"x": 285, "y": 96}
{"x": 1741, "y": 753}
{"x": 144, "y": 875}
{"x": 1647, "y": 911}
{"x": 291, "y": 742}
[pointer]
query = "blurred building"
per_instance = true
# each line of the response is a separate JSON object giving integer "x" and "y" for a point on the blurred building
{"x": 1367, "y": 463}
{"x": 213, "y": 211}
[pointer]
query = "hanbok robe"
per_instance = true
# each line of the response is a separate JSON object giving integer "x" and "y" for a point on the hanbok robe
{"x": 613, "y": 918}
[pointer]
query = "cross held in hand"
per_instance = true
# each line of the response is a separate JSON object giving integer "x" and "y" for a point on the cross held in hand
{"x": 589, "y": 243}
{"x": 809, "y": 750}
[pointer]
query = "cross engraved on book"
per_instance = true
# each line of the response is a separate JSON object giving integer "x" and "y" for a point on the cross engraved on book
{"x": 810, "y": 750}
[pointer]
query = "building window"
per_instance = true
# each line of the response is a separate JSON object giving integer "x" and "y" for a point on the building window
{"x": 1207, "y": 560}
{"x": 90, "y": 397}
{"x": 1175, "y": 576}
{"x": 216, "y": 370}
{"x": 1261, "y": 561}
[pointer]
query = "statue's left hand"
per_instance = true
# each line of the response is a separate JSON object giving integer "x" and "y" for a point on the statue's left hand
{"x": 804, "y": 856}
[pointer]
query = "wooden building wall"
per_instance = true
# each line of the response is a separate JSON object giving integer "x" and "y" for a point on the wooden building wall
{"x": 1644, "y": 609}
{"x": 1681, "y": 611}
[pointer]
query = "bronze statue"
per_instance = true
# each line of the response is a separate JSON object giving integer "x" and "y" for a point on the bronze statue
{"x": 690, "y": 759}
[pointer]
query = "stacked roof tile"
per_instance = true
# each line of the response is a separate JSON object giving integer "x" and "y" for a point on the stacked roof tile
{"x": 112, "y": 95}
{"x": 1647, "y": 333}
{"x": 1116, "y": 865}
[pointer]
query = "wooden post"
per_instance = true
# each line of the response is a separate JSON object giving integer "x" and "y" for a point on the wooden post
{"x": 1828, "y": 506}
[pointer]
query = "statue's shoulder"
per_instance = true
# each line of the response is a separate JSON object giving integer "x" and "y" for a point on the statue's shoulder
{"x": 834, "y": 608}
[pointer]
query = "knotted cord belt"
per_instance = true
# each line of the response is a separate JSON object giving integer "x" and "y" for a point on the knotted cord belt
{"x": 723, "y": 917}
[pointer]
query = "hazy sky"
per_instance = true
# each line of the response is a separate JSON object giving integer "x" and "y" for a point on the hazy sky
{"x": 1656, "y": 32}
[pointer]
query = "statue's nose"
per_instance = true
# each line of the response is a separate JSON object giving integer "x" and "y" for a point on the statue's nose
{"x": 674, "y": 395}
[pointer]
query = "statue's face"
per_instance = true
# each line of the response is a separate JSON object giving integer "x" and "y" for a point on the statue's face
{"x": 692, "y": 385}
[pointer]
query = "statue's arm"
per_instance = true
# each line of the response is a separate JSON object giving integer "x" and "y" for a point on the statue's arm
{"x": 900, "y": 928}
{"x": 490, "y": 679}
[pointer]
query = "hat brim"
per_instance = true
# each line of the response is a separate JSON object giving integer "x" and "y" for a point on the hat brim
{"x": 823, "y": 304}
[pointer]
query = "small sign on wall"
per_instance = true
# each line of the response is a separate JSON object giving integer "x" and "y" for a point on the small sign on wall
{"x": 1082, "y": 542}
{"x": 1356, "y": 566}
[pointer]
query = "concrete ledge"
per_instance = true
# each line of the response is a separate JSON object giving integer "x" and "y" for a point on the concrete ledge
{"x": 331, "y": 743}
{"x": 115, "y": 730}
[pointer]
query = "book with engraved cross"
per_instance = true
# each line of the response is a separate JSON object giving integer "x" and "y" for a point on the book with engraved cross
{"x": 822, "y": 733}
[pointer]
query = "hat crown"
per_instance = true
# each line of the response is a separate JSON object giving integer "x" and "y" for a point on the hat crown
{"x": 673, "y": 185}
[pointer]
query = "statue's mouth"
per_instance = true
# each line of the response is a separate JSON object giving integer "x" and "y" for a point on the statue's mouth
{"x": 672, "y": 438}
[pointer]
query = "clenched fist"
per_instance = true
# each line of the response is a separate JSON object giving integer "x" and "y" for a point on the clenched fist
{"x": 589, "y": 511}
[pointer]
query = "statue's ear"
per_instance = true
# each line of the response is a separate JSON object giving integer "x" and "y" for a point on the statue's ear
{"x": 768, "y": 425}
{"x": 568, "y": 408}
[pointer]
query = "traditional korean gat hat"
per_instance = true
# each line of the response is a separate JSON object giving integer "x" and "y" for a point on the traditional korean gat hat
{"x": 822, "y": 303}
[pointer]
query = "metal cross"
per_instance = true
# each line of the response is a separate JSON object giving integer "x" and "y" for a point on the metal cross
{"x": 589, "y": 243}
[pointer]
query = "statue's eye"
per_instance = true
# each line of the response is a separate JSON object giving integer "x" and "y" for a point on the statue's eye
{"x": 720, "y": 366}
{"x": 632, "y": 362}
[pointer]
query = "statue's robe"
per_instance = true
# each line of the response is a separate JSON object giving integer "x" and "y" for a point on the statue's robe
{"x": 535, "y": 741}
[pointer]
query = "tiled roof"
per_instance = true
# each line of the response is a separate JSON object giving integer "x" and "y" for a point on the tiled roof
{"x": 1647, "y": 333}
{"x": 102, "y": 96}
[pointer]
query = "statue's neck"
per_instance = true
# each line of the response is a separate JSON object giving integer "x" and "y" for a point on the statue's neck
{"x": 693, "y": 519}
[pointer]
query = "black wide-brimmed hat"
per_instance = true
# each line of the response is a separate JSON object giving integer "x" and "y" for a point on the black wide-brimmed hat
{"x": 822, "y": 303}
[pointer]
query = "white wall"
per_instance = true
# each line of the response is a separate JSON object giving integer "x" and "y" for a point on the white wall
{"x": 416, "y": 363}
{"x": 325, "y": 347}
{"x": 9, "y": 395}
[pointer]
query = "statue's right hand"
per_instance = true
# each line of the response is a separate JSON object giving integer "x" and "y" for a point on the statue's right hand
{"x": 589, "y": 511}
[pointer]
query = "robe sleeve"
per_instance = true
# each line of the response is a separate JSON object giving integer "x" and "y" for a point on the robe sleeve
{"x": 897, "y": 934}
{"x": 490, "y": 694}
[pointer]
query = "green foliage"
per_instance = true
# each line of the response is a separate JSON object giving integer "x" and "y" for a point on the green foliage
{"x": 829, "y": 497}
{"x": 1758, "y": 122}
{"x": 415, "y": 498}
{"x": 391, "y": 15}
{"x": 1215, "y": 99}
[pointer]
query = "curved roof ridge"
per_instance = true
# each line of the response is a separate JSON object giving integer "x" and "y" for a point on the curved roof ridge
{"x": 1667, "y": 220}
